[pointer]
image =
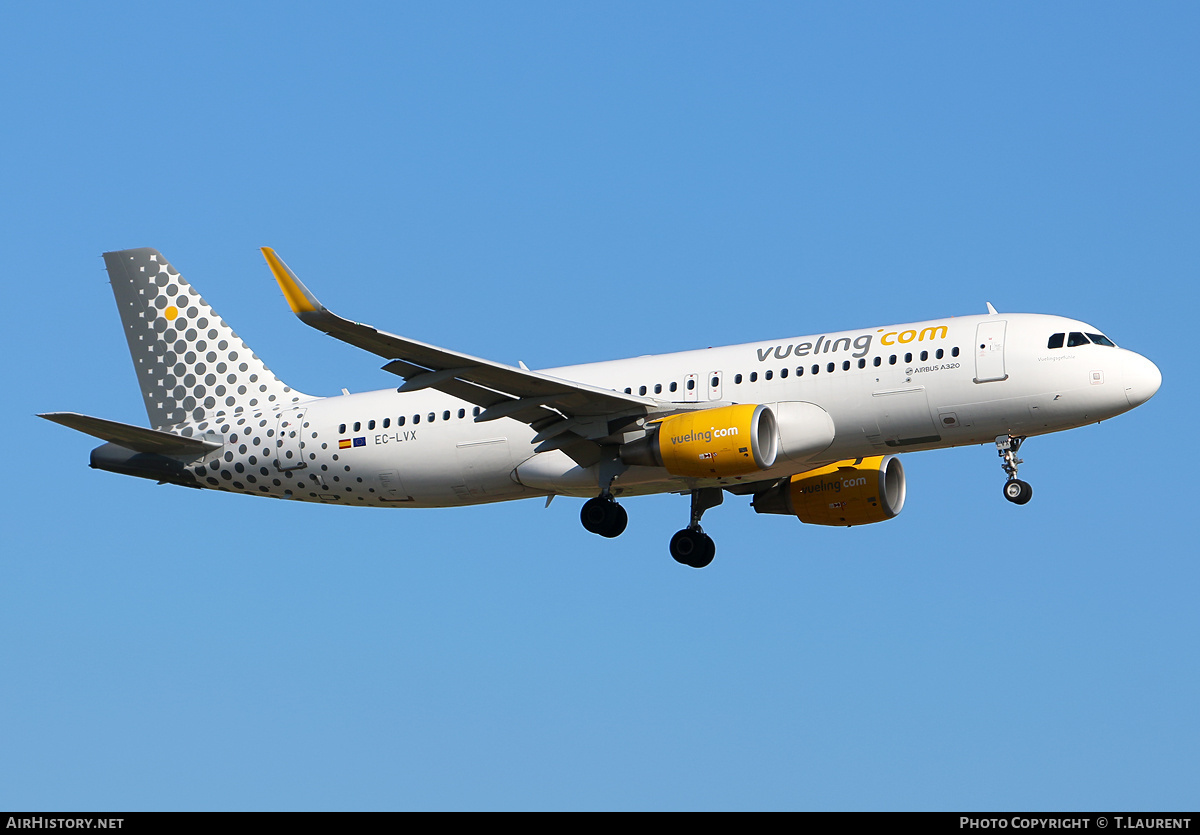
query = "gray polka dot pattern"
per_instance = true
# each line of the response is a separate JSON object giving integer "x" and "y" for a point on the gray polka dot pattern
{"x": 190, "y": 365}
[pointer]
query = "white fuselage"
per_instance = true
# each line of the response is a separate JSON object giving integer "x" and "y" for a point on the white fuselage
{"x": 926, "y": 385}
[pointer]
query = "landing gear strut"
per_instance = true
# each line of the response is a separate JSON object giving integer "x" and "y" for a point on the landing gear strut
{"x": 602, "y": 515}
{"x": 1015, "y": 490}
{"x": 692, "y": 546}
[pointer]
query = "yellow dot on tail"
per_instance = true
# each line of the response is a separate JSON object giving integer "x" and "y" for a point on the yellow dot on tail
{"x": 171, "y": 312}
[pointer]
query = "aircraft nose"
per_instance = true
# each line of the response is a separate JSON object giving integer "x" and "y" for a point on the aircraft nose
{"x": 1142, "y": 379}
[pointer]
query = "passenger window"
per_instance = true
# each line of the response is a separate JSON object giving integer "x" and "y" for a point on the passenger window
{"x": 829, "y": 368}
{"x": 462, "y": 413}
{"x": 357, "y": 426}
{"x": 816, "y": 369}
{"x": 924, "y": 356}
{"x": 446, "y": 415}
{"x": 737, "y": 379}
{"x": 783, "y": 373}
{"x": 642, "y": 391}
{"x": 416, "y": 419}
{"x": 341, "y": 429}
{"x": 878, "y": 361}
{"x": 400, "y": 420}
{"x": 1056, "y": 340}
{"x": 799, "y": 370}
{"x": 691, "y": 384}
{"x": 674, "y": 386}
{"x": 846, "y": 365}
{"x": 476, "y": 411}
{"x": 1101, "y": 339}
{"x": 1076, "y": 339}
{"x": 862, "y": 363}
{"x": 387, "y": 422}
{"x": 370, "y": 424}
{"x": 658, "y": 388}
{"x": 629, "y": 391}
{"x": 892, "y": 359}
{"x": 954, "y": 351}
{"x": 908, "y": 357}
{"x": 940, "y": 353}
{"x": 754, "y": 376}
{"x": 768, "y": 375}
{"x": 716, "y": 381}
{"x": 432, "y": 417}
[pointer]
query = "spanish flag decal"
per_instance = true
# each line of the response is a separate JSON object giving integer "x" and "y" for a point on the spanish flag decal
{"x": 344, "y": 443}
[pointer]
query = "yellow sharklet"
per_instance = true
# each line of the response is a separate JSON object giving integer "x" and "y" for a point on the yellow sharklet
{"x": 297, "y": 295}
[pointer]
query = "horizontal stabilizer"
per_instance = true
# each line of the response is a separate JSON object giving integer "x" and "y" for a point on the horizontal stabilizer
{"x": 136, "y": 438}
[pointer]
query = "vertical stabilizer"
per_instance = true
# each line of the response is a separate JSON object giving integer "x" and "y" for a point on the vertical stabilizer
{"x": 190, "y": 365}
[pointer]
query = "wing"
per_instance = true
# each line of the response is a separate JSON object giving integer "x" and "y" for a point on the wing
{"x": 554, "y": 406}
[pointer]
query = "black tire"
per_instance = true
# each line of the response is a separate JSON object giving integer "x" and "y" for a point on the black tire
{"x": 708, "y": 550}
{"x": 1017, "y": 491}
{"x": 693, "y": 548}
{"x": 683, "y": 545}
{"x": 616, "y": 524}
{"x": 604, "y": 517}
{"x": 593, "y": 515}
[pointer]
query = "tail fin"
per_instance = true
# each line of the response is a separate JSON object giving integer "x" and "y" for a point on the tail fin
{"x": 190, "y": 365}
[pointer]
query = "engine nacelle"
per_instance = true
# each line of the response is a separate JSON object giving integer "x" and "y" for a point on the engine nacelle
{"x": 853, "y": 492}
{"x": 805, "y": 430}
{"x": 710, "y": 443}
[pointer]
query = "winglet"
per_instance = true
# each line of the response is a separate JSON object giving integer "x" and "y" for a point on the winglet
{"x": 298, "y": 296}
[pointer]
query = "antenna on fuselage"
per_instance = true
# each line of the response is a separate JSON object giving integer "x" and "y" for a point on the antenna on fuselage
{"x": 991, "y": 309}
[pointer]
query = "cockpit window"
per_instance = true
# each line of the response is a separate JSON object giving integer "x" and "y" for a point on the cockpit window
{"x": 1056, "y": 341}
{"x": 1076, "y": 339}
{"x": 1101, "y": 339}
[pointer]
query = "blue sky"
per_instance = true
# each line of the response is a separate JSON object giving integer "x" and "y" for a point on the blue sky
{"x": 560, "y": 183}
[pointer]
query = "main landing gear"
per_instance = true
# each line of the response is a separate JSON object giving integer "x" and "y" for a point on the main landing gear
{"x": 692, "y": 546}
{"x": 602, "y": 515}
{"x": 1015, "y": 490}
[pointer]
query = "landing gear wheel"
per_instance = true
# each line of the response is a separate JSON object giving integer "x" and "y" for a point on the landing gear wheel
{"x": 603, "y": 516}
{"x": 1017, "y": 491}
{"x": 693, "y": 547}
{"x": 619, "y": 521}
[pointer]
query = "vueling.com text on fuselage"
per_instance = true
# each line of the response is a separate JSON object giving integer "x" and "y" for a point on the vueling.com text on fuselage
{"x": 861, "y": 343}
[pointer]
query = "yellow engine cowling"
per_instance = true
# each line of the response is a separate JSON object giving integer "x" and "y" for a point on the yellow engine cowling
{"x": 710, "y": 443}
{"x": 852, "y": 492}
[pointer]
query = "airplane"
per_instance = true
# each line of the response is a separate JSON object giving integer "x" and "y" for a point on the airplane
{"x": 809, "y": 426}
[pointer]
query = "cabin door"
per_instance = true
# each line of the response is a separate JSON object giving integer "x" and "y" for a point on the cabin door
{"x": 289, "y": 440}
{"x": 989, "y": 352}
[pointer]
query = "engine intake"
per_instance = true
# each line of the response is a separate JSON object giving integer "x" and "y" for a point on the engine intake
{"x": 711, "y": 443}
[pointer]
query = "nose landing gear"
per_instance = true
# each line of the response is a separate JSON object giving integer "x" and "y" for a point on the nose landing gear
{"x": 1015, "y": 490}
